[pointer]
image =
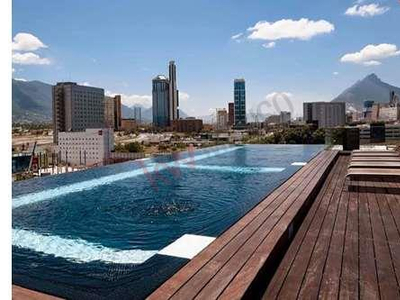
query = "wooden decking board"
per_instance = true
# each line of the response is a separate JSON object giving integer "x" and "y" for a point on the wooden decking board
{"x": 220, "y": 274}
{"x": 386, "y": 276}
{"x": 20, "y": 293}
{"x": 369, "y": 288}
{"x": 214, "y": 267}
{"x": 330, "y": 282}
{"x": 281, "y": 274}
{"x": 362, "y": 259}
{"x": 183, "y": 279}
{"x": 312, "y": 279}
{"x": 242, "y": 281}
{"x": 349, "y": 273}
{"x": 299, "y": 267}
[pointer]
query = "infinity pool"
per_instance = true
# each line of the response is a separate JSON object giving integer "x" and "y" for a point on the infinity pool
{"x": 97, "y": 234}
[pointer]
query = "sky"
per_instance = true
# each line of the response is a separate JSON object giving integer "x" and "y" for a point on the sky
{"x": 285, "y": 50}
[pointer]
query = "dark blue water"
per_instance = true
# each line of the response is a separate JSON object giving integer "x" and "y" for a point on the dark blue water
{"x": 145, "y": 212}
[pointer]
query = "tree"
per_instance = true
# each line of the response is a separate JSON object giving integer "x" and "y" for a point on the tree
{"x": 134, "y": 147}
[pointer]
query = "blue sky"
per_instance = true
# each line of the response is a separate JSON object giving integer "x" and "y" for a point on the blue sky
{"x": 121, "y": 45}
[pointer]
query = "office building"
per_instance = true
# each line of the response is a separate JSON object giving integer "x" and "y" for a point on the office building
{"x": 273, "y": 119}
{"x": 284, "y": 117}
{"x": 137, "y": 114}
{"x": 112, "y": 112}
{"x": 76, "y": 108}
{"x": 128, "y": 125}
{"x": 240, "y": 104}
{"x": 165, "y": 98}
{"x": 173, "y": 93}
{"x": 89, "y": 147}
{"x": 161, "y": 101}
{"x": 188, "y": 125}
{"x": 222, "y": 119}
{"x": 326, "y": 114}
{"x": 231, "y": 113}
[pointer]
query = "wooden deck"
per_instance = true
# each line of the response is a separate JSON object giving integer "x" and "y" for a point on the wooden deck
{"x": 348, "y": 246}
{"x": 21, "y": 293}
{"x": 233, "y": 266}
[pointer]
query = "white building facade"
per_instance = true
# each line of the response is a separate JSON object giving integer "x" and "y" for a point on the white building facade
{"x": 90, "y": 147}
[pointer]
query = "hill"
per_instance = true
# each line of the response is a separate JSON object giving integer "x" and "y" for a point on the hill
{"x": 369, "y": 88}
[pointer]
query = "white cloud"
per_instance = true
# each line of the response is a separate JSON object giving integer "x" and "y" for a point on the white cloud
{"x": 132, "y": 100}
{"x": 302, "y": 29}
{"x": 273, "y": 95}
{"x": 85, "y": 83}
{"x": 368, "y": 10}
{"x": 269, "y": 45}
{"x": 29, "y": 58}
{"x": 20, "y": 79}
{"x": 371, "y": 54}
{"x": 26, "y": 42}
{"x": 236, "y": 36}
{"x": 335, "y": 73}
{"x": 183, "y": 96}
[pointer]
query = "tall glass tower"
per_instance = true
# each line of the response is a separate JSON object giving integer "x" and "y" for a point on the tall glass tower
{"x": 161, "y": 101}
{"x": 240, "y": 103}
{"x": 173, "y": 92}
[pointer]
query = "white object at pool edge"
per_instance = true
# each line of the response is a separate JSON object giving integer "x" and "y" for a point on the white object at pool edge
{"x": 299, "y": 163}
{"x": 187, "y": 246}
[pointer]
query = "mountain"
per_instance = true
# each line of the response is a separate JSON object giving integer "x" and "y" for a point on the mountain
{"x": 369, "y": 88}
{"x": 32, "y": 103}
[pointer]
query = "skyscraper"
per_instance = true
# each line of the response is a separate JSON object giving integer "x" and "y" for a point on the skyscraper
{"x": 222, "y": 119}
{"x": 231, "y": 113}
{"x": 173, "y": 92}
{"x": 137, "y": 113}
{"x": 327, "y": 114}
{"x": 165, "y": 98}
{"x": 161, "y": 101}
{"x": 76, "y": 108}
{"x": 240, "y": 103}
{"x": 112, "y": 112}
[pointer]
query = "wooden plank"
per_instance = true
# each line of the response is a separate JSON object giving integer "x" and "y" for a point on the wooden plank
{"x": 298, "y": 269}
{"x": 377, "y": 159}
{"x": 375, "y": 154}
{"x": 370, "y": 164}
{"x": 20, "y": 293}
{"x": 241, "y": 282}
{"x": 349, "y": 274}
{"x": 369, "y": 288}
{"x": 249, "y": 240}
{"x": 330, "y": 282}
{"x": 275, "y": 286}
{"x": 313, "y": 276}
{"x": 166, "y": 290}
{"x": 386, "y": 276}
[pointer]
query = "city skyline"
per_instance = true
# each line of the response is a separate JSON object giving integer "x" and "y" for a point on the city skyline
{"x": 254, "y": 46}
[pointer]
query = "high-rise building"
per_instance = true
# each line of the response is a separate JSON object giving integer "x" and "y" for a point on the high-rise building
{"x": 173, "y": 93}
{"x": 222, "y": 119}
{"x": 240, "y": 103}
{"x": 231, "y": 113}
{"x": 112, "y": 112}
{"x": 284, "y": 117}
{"x": 137, "y": 114}
{"x": 327, "y": 114}
{"x": 76, "y": 108}
{"x": 165, "y": 98}
{"x": 161, "y": 101}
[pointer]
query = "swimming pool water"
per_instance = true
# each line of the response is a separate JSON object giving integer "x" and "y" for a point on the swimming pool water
{"x": 95, "y": 234}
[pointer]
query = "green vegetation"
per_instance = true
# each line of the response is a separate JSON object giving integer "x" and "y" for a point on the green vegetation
{"x": 297, "y": 135}
{"x": 134, "y": 147}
